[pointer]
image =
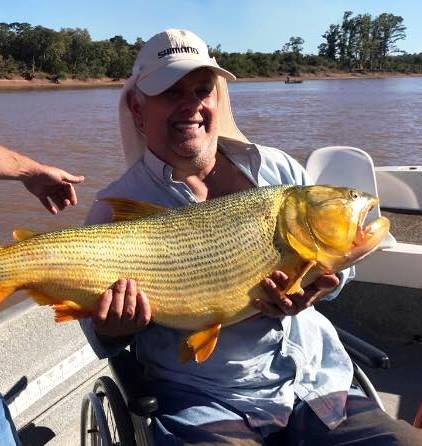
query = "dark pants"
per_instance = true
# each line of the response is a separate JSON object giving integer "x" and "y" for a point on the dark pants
{"x": 366, "y": 425}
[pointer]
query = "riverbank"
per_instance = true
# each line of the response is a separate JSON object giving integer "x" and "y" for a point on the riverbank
{"x": 331, "y": 75}
{"x": 37, "y": 84}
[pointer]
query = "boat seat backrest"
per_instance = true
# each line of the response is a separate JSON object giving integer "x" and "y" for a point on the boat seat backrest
{"x": 350, "y": 167}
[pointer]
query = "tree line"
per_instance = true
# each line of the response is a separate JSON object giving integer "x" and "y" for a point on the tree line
{"x": 28, "y": 50}
{"x": 360, "y": 42}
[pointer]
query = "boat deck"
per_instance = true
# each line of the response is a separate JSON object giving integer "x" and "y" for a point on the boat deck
{"x": 406, "y": 227}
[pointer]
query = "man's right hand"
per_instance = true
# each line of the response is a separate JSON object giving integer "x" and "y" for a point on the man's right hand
{"x": 122, "y": 310}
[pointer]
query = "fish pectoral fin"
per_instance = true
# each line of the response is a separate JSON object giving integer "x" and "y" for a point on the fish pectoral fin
{"x": 200, "y": 345}
{"x": 126, "y": 210}
{"x": 69, "y": 311}
{"x": 21, "y": 234}
{"x": 296, "y": 286}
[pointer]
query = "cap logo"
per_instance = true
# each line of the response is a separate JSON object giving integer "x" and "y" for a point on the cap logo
{"x": 178, "y": 49}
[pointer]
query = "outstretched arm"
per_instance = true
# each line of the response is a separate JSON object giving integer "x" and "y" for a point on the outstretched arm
{"x": 52, "y": 186}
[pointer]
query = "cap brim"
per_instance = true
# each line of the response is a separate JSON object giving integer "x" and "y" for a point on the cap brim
{"x": 166, "y": 76}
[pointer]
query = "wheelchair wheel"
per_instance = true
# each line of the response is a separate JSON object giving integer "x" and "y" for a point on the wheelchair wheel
{"x": 105, "y": 420}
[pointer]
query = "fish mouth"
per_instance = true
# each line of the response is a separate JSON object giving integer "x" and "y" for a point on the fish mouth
{"x": 369, "y": 236}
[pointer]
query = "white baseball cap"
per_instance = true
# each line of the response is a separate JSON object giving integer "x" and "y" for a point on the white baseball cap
{"x": 170, "y": 55}
{"x": 161, "y": 62}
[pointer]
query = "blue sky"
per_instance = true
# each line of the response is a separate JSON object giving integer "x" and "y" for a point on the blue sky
{"x": 238, "y": 25}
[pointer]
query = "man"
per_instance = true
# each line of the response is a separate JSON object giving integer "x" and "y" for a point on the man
{"x": 50, "y": 185}
{"x": 281, "y": 376}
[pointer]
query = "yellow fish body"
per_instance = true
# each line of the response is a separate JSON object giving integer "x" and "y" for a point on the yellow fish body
{"x": 200, "y": 266}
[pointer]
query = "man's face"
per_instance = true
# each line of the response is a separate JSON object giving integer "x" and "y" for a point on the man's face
{"x": 180, "y": 124}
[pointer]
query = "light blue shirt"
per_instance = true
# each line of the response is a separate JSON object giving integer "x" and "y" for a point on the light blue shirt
{"x": 260, "y": 365}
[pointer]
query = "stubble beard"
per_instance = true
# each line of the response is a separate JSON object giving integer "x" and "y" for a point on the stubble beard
{"x": 202, "y": 157}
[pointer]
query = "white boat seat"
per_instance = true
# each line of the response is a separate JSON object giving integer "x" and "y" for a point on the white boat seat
{"x": 350, "y": 167}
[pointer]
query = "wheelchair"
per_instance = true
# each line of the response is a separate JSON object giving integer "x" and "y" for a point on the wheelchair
{"x": 118, "y": 413}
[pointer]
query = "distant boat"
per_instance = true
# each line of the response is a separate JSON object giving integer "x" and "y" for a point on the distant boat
{"x": 293, "y": 81}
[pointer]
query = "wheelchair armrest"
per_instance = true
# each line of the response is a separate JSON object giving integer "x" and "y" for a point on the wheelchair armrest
{"x": 127, "y": 372}
{"x": 362, "y": 351}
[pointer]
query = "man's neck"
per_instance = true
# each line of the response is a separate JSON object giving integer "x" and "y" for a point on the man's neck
{"x": 220, "y": 178}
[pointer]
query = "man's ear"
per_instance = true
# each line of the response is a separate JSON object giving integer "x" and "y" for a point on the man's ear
{"x": 136, "y": 109}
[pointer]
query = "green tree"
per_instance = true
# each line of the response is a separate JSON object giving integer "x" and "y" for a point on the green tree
{"x": 294, "y": 45}
{"x": 329, "y": 48}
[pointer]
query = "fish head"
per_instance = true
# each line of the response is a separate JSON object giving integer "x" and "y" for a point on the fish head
{"x": 326, "y": 224}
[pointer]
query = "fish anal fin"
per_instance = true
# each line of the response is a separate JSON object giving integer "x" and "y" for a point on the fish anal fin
{"x": 126, "y": 210}
{"x": 65, "y": 310}
{"x": 6, "y": 290}
{"x": 21, "y": 234}
{"x": 69, "y": 311}
{"x": 200, "y": 345}
{"x": 296, "y": 286}
{"x": 40, "y": 298}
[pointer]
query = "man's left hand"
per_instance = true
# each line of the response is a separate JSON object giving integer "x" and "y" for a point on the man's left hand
{"x": 277, "y": 304}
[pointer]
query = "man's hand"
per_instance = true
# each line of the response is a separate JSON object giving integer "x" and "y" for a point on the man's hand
{"x": 52, "y": 185}
{"x": 276, "y": 303}
{"x": 122, "y": 310}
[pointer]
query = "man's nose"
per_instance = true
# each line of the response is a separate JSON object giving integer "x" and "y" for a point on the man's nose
{"x": 191, "y": 101}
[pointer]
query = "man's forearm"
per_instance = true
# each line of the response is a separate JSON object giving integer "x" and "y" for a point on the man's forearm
{"x": 14, "y": 166}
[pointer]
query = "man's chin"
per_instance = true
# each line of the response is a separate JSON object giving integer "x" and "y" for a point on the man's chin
{"x": 192, "y": 149}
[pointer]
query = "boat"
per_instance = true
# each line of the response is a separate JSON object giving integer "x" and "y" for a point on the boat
{"x": 57, "y": 367}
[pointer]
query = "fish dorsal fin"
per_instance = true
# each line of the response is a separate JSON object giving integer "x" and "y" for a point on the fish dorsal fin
{"x": 21, "y": 234}
{"x": 200, "y": 345}
{"x": 126, "y": 210}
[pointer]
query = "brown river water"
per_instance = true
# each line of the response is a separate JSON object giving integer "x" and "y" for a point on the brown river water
{"x": 77, "y": 130}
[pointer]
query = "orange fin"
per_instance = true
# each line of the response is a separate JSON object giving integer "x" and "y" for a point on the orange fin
{"x": 21, "y": 234}
{"x": 126, "y": 210}
{"x": 69, "y": 311}
{"x": 65, "y": 310}
{"x": 6, "y": 290}
{"x": 200, "y": 345}
{"x": 296, "y": 287}
{"x": 40, "y": 298}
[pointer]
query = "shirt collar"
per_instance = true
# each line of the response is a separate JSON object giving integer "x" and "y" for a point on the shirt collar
{"x": 158, "y": 167}
{"x": 164, "y": 171}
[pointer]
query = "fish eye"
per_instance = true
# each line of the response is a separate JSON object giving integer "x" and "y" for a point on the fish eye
{"x": 354, "y": 195}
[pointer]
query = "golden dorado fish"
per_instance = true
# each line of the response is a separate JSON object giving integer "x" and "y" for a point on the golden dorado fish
{"x": 200, "y": 266}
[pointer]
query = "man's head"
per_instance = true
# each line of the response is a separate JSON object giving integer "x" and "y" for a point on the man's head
{"x": 177, "y": 98}
{"x": 180, "y": 125}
